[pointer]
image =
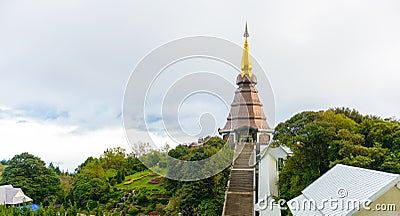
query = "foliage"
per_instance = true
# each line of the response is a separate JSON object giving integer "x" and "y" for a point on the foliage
{"x": 30, "y": 173}
{"x": 208, "y": 207}
{"x": 117, "y": 182}
{"x": 114, "y": 158}
{"x": 66, "y": 184}
{"x": 55, "y": 169}
{"x": 350, "y": 113}
{"x": 2, "y": 168}
{"x": 202, "y": 197}
{"x": 212, "y": 146}
{"x": 140, "y": 180}
{"x": 133, "y": 165}
{"x": 96, "y": 188}
{"x": 88, "y": 189}
{"x": 69, "y": 210}
{"x": 322, "y": 139}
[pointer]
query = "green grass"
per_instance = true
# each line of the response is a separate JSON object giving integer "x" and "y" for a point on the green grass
{"x": 141, "y": 183}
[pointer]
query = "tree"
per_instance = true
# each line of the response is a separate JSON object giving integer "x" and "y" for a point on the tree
{"x": 55, "y": 169}
{"x": 350, "y": 113}
{"x": 141, "y": 148}
{"x": 165, "y": 149}
{"x": 320, "y": 140}
{"x": 392, "y": 162}
{"x": 315, "y": 138}
{"x": 93, "y": 169}
{"x": 133, "y": 165}
{"x": 209, "y": 207}
{"x": 377, "y": 130}
{"x": 114, "y": 158}
{"x": 80, "y": 167}
{"x": 30, "y": 173}
{"x": 87, "y": 189}
{"x": 120, "y": 177}
{"x": 203, "y": 197}
{"x": 188, "y": 197}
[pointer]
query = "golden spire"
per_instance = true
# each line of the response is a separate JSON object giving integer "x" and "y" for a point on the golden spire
{"x": 246, "y": 61}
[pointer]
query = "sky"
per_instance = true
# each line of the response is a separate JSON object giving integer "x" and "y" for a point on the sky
{"x": 64, "y": 65}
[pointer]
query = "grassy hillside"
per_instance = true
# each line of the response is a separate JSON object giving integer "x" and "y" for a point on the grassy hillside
{"x": 150, "y": 197}
{"x": 140, "y": 180}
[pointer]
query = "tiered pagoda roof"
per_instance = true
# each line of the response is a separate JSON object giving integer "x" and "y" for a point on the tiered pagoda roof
{"x": 246, "y": 108}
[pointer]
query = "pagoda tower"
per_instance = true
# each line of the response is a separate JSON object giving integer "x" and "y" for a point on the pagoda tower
{"x": 246, "y": 122}
{"x": 247, "y": 131}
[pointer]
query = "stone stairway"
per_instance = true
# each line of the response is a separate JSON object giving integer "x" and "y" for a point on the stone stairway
{"x": 239, "y": 198}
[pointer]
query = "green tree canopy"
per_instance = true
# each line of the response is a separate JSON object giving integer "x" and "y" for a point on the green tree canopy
{"x": 114, "y": 158}
{"x": 320, "y": 140}
{"x": 202, "y": 197}
{"x": 30, "y": 173}
{"x": 87, "y": 189}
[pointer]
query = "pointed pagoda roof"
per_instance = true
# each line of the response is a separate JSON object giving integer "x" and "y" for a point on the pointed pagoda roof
{"x": 246, "y": 108}
{"x": 246, "y": 64}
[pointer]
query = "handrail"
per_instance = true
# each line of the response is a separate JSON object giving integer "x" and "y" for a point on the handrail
{"x": 226, "y": 191}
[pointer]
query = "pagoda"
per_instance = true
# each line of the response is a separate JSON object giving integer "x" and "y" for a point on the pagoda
{"x": 246, "y": 122}
{"x": 247, "y": 131}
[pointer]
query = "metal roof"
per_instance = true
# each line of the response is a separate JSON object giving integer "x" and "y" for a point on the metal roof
{"x": 282, "y": 149}
{"x": 346, "y": 184}
{"x": 12, "y": 196}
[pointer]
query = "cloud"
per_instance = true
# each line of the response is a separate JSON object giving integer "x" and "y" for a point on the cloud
{"x": 55, "y": 143}
{"x": 66, "y": 63}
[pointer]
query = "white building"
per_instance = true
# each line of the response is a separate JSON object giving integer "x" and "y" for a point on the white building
{"x": 270, "y": 162}
{"x": 346, "y": 190}
{"x": 12, "y": 196}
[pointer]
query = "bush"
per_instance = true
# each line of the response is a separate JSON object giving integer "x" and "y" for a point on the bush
{"x": 142, "y": 199}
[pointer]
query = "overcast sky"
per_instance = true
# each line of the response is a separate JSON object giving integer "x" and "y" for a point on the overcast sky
{"x": 64, "y": 64}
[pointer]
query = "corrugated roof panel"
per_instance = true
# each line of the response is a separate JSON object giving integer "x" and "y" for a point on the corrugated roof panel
{"x": 348, "y": 185}
{"x": 12, "y": 196}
